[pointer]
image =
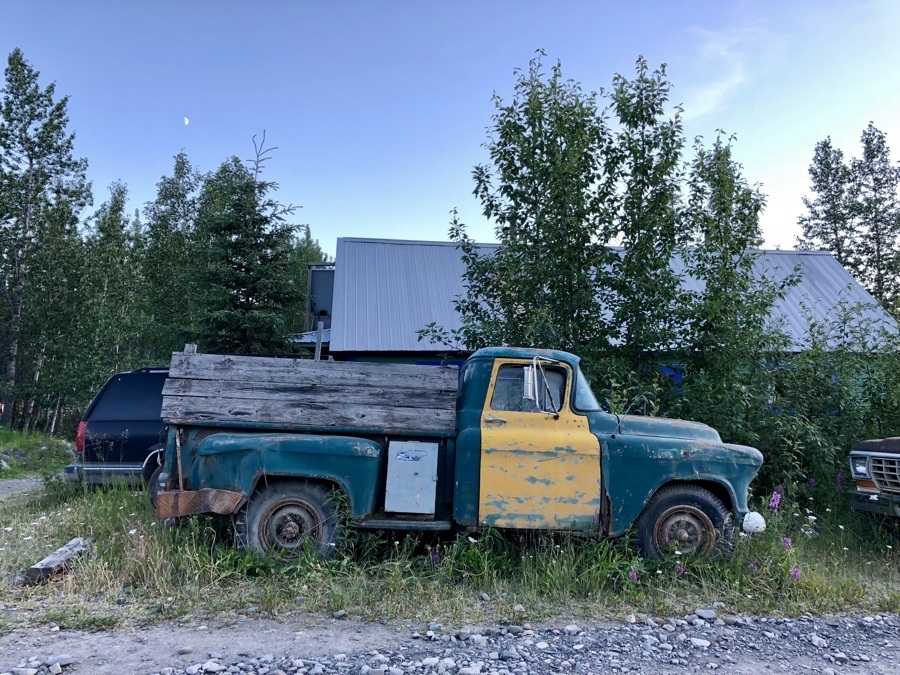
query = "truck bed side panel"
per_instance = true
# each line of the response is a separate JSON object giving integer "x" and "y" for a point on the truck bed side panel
{"x": 302, "y": 394}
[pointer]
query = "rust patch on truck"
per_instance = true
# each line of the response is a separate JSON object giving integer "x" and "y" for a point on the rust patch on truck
{"x": 177, "y": 503}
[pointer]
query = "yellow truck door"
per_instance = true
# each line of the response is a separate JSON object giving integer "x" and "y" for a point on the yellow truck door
{"x": 537, "y": 471}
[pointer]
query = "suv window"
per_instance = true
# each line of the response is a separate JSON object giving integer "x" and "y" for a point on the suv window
{"x": 130, "y": 397}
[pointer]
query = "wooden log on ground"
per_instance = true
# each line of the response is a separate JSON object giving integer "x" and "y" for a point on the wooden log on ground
{"x": 57, "y": 562}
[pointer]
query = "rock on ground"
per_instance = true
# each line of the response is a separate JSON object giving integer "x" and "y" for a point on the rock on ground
{"x": 315, "y": 645}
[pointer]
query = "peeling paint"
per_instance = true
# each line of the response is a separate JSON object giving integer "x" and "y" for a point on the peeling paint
{"x": 548, "y": 468}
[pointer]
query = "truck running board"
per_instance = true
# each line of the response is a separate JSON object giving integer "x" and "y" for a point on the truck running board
{"x": 391, "y": 524}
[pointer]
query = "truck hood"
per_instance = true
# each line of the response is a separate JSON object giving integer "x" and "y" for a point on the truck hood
{"x": 664, "y": 427}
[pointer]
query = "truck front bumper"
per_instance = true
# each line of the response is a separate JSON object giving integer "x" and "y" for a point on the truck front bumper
{"x": 884, "y": 504}
{"x": 179, "y": 503}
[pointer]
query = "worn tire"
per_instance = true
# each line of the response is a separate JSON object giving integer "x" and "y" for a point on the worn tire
{"x": 153, "y": 486}
{"x": 687, "y": 518}
{"x": 282, "y": 517}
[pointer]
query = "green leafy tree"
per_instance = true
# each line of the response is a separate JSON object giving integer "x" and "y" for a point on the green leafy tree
{"x": 855, "y": 215}
{"x": 171, "y": 291}
{"x": 875, "y": 210}
{"x": 548, "y": 283}
{"x": 248, "y": 274}
{"x": 646, "y": 155}
{"x": 37, "y": 171}
{"x": 728, "y": 340}
{"x": 54, "y": 304}
{"x": 113, "y": 322}
{"x": 828, "y": 224}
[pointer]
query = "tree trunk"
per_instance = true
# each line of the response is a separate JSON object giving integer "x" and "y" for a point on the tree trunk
{"x": 55, "y": 417}
{"x": 29, "y": 408}
{"x": 12, "y": 352}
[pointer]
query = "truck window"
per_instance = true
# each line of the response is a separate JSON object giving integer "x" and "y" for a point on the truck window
{"x": 509, "y": 388}
{"x": 584, "y": 397}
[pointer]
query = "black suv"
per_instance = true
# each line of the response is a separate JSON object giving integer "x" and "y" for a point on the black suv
{"x": 121, "y": 429}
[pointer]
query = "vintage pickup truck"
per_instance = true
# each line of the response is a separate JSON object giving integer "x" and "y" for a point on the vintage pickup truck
{"x": 513, "y": 439}
{"x": 875, "y": 466}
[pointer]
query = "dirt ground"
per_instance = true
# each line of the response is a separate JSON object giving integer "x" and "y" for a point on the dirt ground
{"x": 149, "y": 649}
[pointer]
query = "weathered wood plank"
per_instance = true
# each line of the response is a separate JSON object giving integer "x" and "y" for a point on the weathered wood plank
{"x": 299, "y": 393}
{"x": 295, "y": 414}
{"x": 268, "y": 369}
{"x": 324, "y": 394}
{"x": 57, "y": 561}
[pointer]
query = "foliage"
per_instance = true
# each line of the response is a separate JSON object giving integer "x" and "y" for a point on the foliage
{"x": 85, "y": 298}
{"x": 141, "y": 571}
{"x": 855, "y": 214}
{"x": 827, "y": 221}
{"x": 248, "y": 277}
{"x": 709, "y": 353}
{"x": 28, "y": 454}
{"x": 548, "y": 194}
{"x": 875, "y": 208}
{"x": 727, "y": 333}
{"x": 38, "y": 173}
{"x": 171, "y": 253}
{"x": 646, "y": 157}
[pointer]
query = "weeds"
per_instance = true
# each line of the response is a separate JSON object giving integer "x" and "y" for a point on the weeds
{"x": 24, "y": 454}
{"x": 816, "y": 555}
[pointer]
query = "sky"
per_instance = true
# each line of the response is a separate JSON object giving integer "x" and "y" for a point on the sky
{"x": 379, "y": 110}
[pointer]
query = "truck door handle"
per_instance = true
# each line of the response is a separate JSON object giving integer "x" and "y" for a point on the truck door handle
{"x": 490, "y": 419}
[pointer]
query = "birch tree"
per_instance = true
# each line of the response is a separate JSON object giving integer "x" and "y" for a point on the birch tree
{"x": 38, "y": 170}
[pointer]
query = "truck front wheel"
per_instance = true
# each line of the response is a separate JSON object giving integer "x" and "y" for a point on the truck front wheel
{"x": 688, "y": 519}
{"x": 282, "y": 517}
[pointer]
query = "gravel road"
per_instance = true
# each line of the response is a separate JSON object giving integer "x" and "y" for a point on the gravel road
{"x": 710, "y": 639}
{"x": 16, "y": 485}
{"x": 301, "y": 644}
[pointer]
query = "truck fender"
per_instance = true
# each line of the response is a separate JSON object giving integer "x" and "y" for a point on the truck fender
{"x": 241, "y": 462}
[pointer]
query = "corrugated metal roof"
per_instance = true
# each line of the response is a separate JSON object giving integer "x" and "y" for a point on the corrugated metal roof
{"x": 385, "y": 290}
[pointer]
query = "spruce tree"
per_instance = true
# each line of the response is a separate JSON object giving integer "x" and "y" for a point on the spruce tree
{"x": 250, "y": 291}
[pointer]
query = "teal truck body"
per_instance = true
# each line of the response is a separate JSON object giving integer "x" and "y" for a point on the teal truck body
{"x": 513, "y": 439}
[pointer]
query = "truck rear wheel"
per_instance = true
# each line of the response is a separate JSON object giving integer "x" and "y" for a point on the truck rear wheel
{"x": 688, "y": 519}
{"x": 282, "y": 517}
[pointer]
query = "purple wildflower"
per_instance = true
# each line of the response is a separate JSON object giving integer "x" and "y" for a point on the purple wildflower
{"x": 632, "y": 575}
{"x": 679, "y": 570}
{"x": 774, "y": 502}
{"x": 812, "y": 481}
{"x": 753, "y": 566}
{"x": 786, "y": 542}
{"x": 839, "y": 482}
{"x": 795, "y": 574}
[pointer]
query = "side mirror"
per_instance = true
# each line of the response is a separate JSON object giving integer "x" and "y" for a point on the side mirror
{"x": 529, "y": 385}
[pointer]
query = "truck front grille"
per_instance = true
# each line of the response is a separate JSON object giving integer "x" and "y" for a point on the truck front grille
{"x": 886, "y": 473}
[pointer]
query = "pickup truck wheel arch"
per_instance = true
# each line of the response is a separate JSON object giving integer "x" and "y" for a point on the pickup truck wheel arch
{"x": 280, "y": 518}
{"x": 687, "y": 518}
{"x": 154, "y": 459}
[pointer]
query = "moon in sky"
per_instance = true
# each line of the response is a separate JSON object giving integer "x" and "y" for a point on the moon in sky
{"x": 186, "y": 121}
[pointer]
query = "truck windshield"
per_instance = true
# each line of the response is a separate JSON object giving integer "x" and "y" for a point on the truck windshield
{"x": 584, "y": 397}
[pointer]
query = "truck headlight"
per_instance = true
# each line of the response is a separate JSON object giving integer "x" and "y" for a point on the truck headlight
{"x": 859, "y": 466}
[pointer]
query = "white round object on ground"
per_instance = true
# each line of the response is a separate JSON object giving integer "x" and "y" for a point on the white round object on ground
{"x": 754, "y": 523}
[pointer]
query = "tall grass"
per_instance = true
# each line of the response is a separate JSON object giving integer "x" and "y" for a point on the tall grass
{"x": 816, "y": 555}
{"x": 29, "y": 454}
